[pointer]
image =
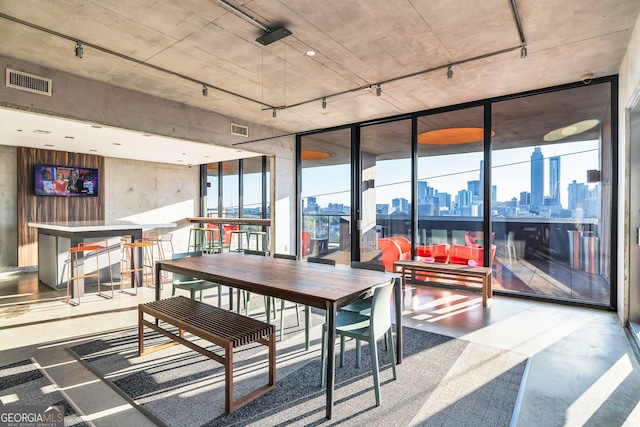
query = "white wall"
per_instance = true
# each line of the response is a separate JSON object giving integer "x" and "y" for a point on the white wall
{"x": 629, "y": 90}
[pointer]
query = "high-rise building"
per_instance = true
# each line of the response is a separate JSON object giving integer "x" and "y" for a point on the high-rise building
{"x": 537, "y": 178}
{"x": 400, "y": 205}
{"x": 578, "y": 193}
{"x": 474, "y": 187}
{"x": 525, "y": 198}
{"x": 554, "y": 179}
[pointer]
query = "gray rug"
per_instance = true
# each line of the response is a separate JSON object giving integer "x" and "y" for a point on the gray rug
{"x": 24, "y": 384}
{"x": 442, "y": 382}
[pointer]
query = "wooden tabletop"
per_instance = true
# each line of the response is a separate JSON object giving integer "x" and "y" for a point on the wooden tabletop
{"x": 311, "y": 284}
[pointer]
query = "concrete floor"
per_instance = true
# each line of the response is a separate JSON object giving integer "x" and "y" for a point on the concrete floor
{"x": 584, "y": 369}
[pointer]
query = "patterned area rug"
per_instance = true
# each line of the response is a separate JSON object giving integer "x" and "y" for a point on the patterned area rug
{"x": 442, "y": 381}
{"x": 24, "y": 384}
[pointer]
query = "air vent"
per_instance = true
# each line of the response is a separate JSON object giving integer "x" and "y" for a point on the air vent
{"x": 28, "y": 82}
{"x": 240, "y": 130}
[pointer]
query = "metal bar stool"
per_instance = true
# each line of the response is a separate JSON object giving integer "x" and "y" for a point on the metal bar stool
{"x": 213, "y": 244}
{"x": 83, "y": 249}
{"x": 197, "y": 239}
{"x": 239, "y": 237}
{"x": 129, "y": 268}
{"x": 259, "y": 235}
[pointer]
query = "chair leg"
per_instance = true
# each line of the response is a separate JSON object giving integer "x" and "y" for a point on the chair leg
{"x": 341, "y": 350}
{"x": 307, "y": 326}
{"x": 282, "y": 319}
{"x": 374, "y": 367}
{"x": 323, "y": 356}
{"x": 298, "y": 313}
{"x": 358, "y": 353}
{"x": 389, "y": 341}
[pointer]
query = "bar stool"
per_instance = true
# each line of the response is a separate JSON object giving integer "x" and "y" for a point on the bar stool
{"x": 197, "y": 239}
{"x": 213, "y": 244}
{"x": 239, "y": 237}
{"x": 128, "y": 267}
{"x": 258, "y": 235}
{"x": 84, "y": 248}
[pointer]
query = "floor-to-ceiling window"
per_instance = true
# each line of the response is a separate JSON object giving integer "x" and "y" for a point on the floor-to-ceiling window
{"x": 326, "y": 195}
{"x": 551, "y": 157}
{"x": 385, "y": 220}
{"x": 450, "y": 195}
{"x": 524, "y": 184}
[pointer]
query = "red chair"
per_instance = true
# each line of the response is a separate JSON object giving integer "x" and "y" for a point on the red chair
{"x": 392, "y": 251}
{"x": 439, "y": 253}
{"x": 469, "y": 255}
{"x": 306, "y": 242}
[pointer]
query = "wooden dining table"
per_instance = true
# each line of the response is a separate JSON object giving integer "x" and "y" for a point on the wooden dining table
{"x": 315, "y": 285}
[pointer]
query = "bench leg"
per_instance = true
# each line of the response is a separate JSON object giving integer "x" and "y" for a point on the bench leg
{"x": 228, "y": 380}
{"x": 140, "y": 333}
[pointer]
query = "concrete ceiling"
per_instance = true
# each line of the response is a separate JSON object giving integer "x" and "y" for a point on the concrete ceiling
{"x": 170, "y": 49}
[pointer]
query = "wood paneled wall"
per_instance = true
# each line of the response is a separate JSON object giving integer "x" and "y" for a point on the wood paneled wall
{"x": 32, "y": 208}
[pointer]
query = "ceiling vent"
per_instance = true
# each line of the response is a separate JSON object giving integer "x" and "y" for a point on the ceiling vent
{"x": 28, "y": 82}
{"x": 240, "y": 130}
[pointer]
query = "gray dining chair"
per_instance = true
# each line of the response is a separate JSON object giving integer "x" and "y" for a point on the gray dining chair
{"x": 282, "y": 303}
{"x": 363, "y": 306}
{"x": 318, "y": 260}
{"x": 365, "y": 328}
{"x": 193, "y": 285}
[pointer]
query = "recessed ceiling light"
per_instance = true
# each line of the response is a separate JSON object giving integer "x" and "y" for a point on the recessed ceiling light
{"x": 44, "y": 132}
{"x": 94, "y": 151}
{"x": 96, "y": 127}
{"x": 179, "y": 161}
{"x": 206, "y": 157}
{"x": 70, "y": 137}
{"x": 146, "y": 134}
{"x": 48, "y": 145}
{"x": 19, "y": 130}
{"x": 116, "y": 143}
{"x": 310, "y": 53}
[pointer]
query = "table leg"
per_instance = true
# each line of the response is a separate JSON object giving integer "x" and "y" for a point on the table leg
{"x": 331, "y": 355}
{"x": 158, "y": 281}
{"x": 398, "y": 285}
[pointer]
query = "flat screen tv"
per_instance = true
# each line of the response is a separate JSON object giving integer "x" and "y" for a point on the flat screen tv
{"x": 70, "y": 181}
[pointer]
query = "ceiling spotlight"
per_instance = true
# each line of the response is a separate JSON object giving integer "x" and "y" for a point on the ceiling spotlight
{"x": 310, "y": 53}
{"x": 378, "y": 90}
{"x": 274, "y": 113}
{"x": 324, "y": 103}
{"x": 523, "y": 51}
{"x": 79, "y": 50}
{"x": 205, "y": 90}
{"x": 449, "y": 73}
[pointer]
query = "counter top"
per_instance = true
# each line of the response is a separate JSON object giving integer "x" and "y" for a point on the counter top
{"x": 79, "y": 226}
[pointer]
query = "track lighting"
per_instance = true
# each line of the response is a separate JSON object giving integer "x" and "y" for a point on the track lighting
{"x": 205, "y": 90}
{"x": 274, "y": 113}
{"x": 378, "y": 90}
{"x": 523, "y": 51}
{"x": 324, "y": 103}
{"x": 449, "y": 73}
{"x": 79, "y": 50}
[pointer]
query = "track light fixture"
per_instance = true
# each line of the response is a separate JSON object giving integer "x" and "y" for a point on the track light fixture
{"x": 205, "y": 91}
{"x": 274, "y": 113}
{"x": 449, "y": 72}
{"x": 324, "y": 103}
{"x": 378, "y": 90}
{"x": 79, "y": 50}
{"x": 523, "y": 51}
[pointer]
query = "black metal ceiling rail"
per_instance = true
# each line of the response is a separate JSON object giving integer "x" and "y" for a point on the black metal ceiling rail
{"x": 137, "y": 61}
{"x": 394, "y": 79}
{"x": 516, "y": 16}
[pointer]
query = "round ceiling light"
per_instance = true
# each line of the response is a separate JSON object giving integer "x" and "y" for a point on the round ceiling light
{"x": 452, "y": 136}
{"x": 310, "y": 53}
{"x": 573, "y": 129}
{"x": 314, "y": 155}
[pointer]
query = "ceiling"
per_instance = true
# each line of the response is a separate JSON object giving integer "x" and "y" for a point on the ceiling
{"x": 170, "y": 49}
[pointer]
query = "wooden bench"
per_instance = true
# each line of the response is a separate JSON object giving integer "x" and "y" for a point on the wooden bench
{"x": 418, "y": 270}
{"x": 227, "y": 329}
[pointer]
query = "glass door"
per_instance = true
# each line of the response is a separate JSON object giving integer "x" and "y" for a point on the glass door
{"x": 634, "y": 240}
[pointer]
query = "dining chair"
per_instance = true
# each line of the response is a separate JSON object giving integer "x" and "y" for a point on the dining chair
{"x": 191, "y": 284}
{"x": 363, "y": 306}
{"x": 282, "y": 302}
{"x": 318, "y": 260}
{"x": 365, "y": 328}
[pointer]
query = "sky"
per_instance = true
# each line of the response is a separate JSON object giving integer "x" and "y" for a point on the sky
{"x": 511, "y": 173}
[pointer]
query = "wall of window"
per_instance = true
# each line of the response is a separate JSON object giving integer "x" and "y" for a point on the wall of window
{"x": 522, "y": 184}
{"x": 326, "y": 195}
